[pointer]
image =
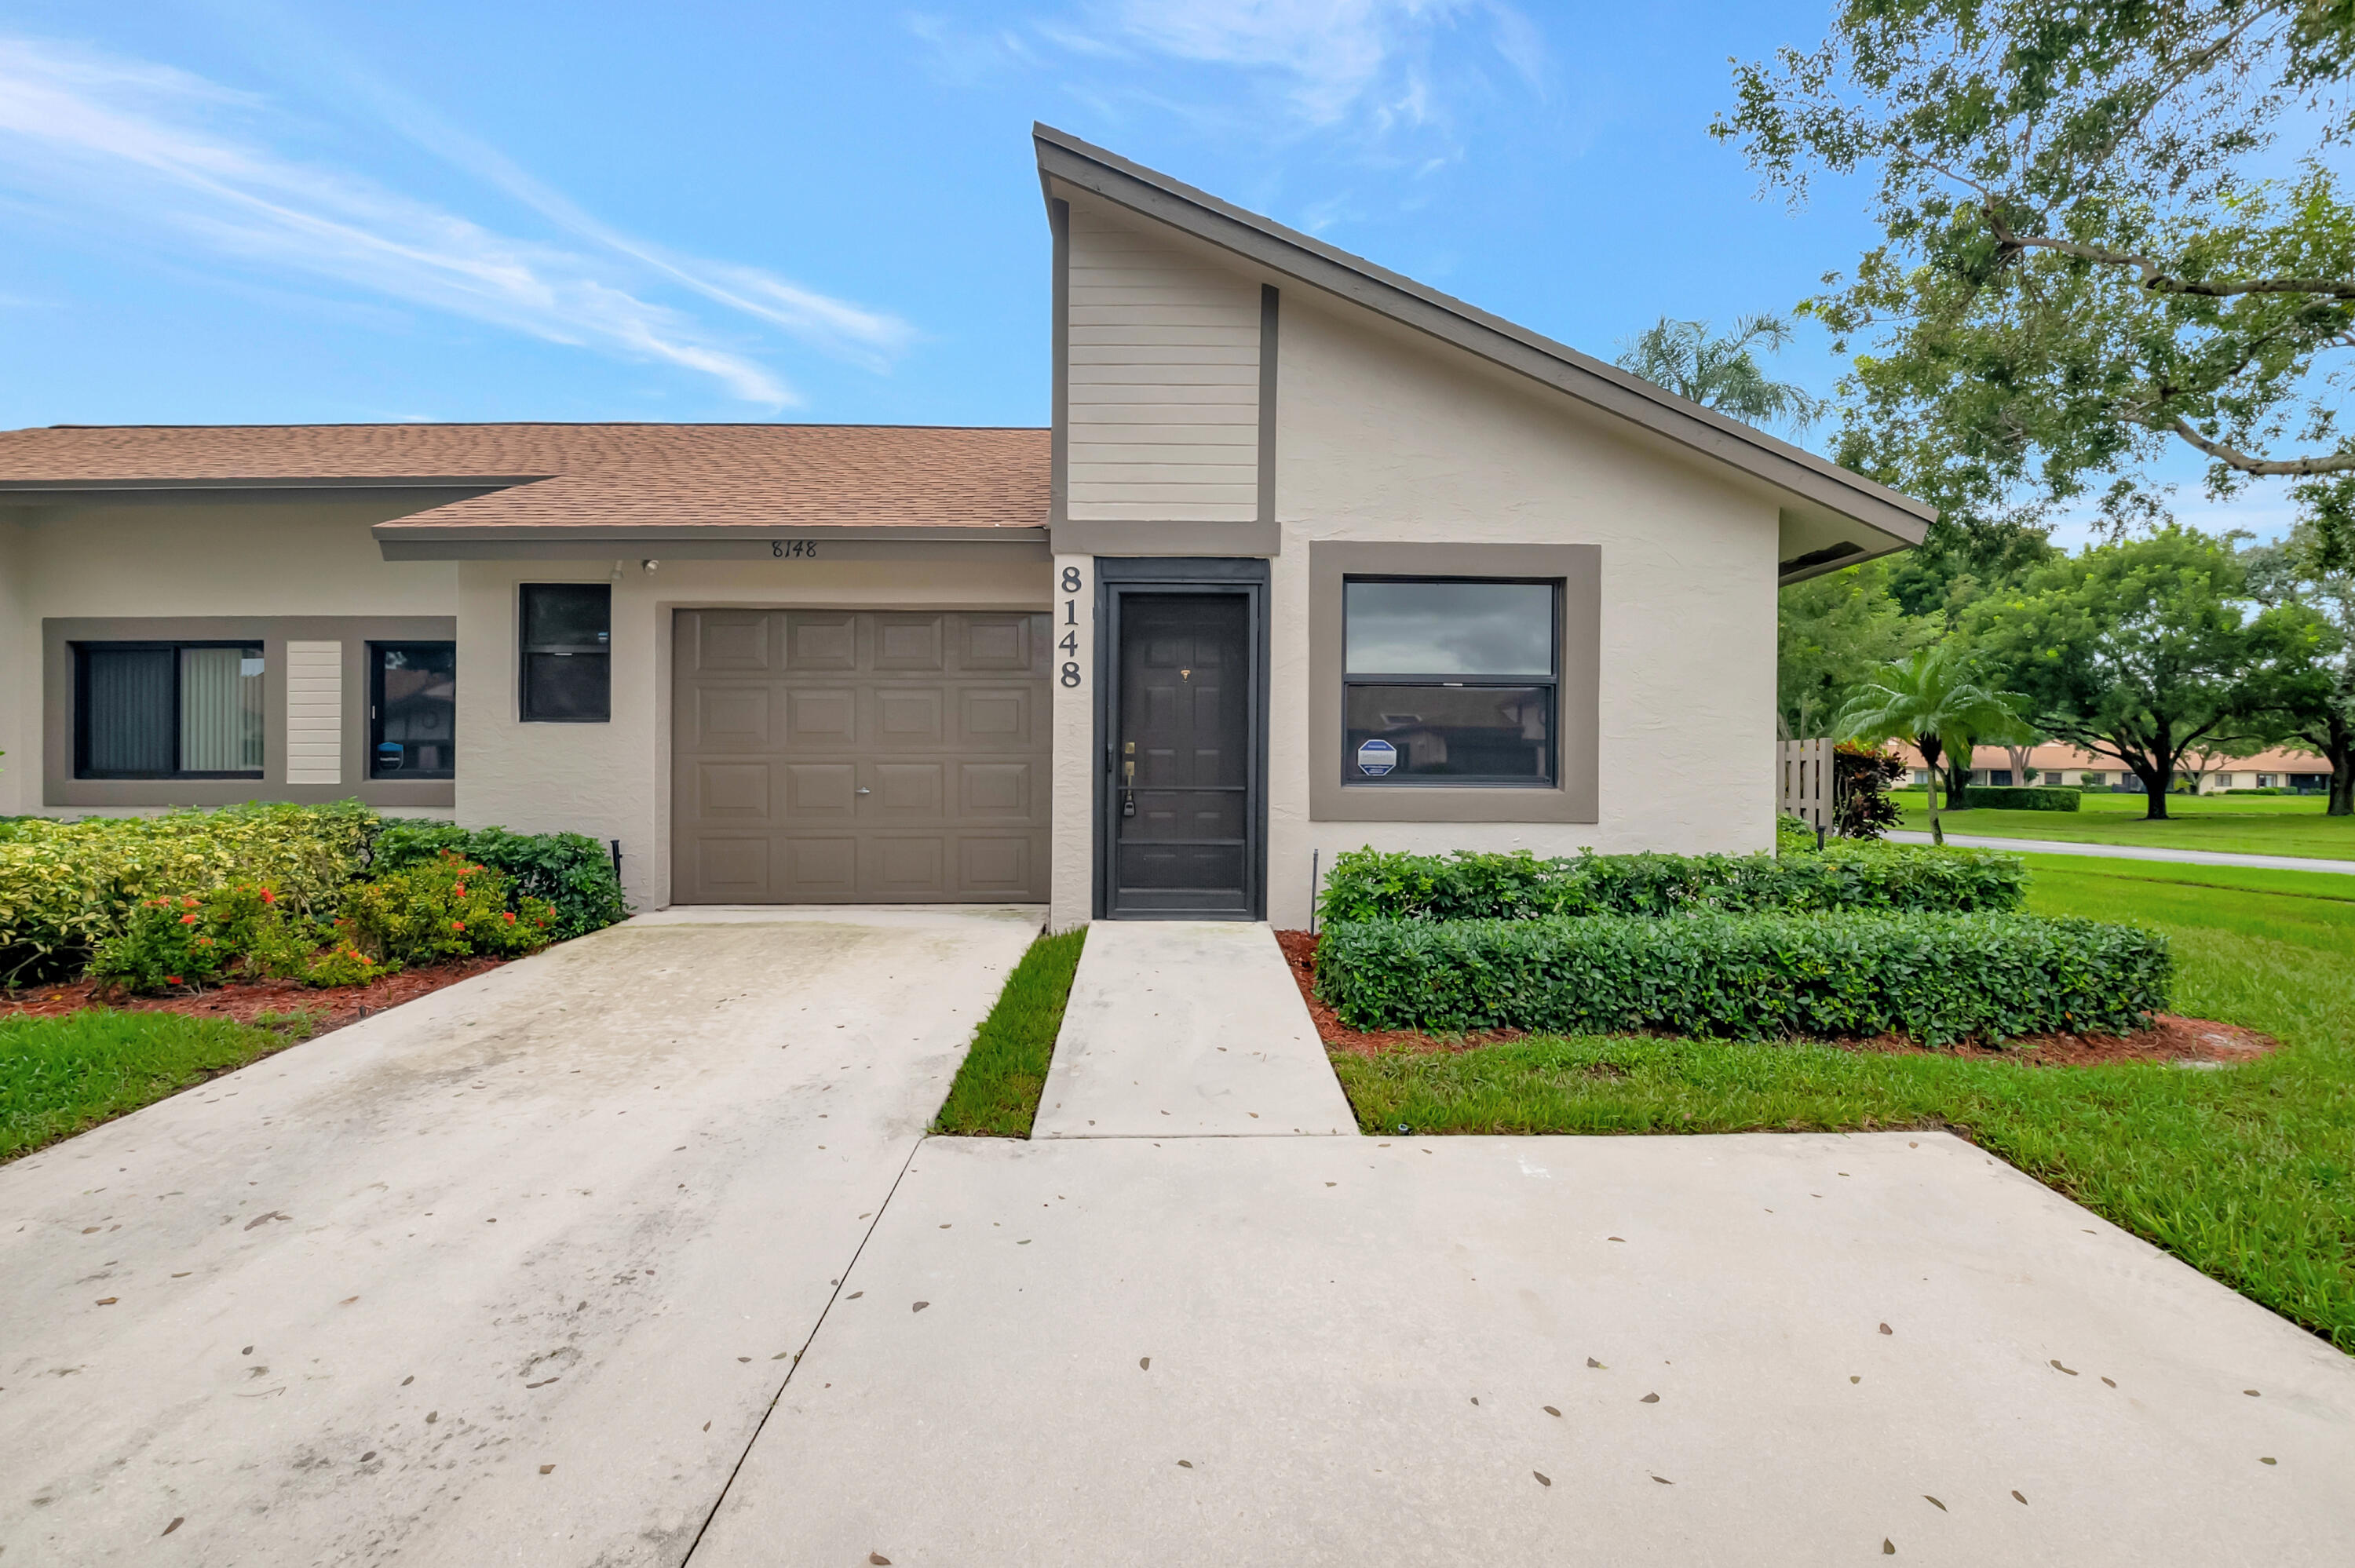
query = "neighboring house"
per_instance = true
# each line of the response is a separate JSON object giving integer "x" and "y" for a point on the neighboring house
{"x": 2210, "y": 773}
{"x": 1312, "y": 556}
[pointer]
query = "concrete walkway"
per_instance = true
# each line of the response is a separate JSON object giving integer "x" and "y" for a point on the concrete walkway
{"x": 2132, "y": 852}
{"x": 1757, "y": 1349}
{"x": 1187, "y": 1029}
{"x": 508, "y": 1275}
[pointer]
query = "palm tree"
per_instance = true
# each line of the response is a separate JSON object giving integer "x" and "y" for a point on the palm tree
{"x": 1933, "y": 699}
{"x": 1723, "y": 373}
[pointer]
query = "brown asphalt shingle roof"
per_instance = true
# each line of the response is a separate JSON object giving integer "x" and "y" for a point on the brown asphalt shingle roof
{"x": 633, "y": 478}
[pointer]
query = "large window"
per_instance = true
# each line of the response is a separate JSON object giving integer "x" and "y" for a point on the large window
{"x": 1449, "y": 680}
{"x": 168, "y": 710}
{"x": 413, "y": 710}
{"x": 567, "y": 674}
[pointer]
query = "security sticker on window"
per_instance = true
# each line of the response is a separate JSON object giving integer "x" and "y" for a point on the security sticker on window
{"x": 1376, "y": 758}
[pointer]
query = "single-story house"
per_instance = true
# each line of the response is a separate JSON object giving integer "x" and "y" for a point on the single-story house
{"x": 1310, "y": 557}
{"x": 2208, "y": 773}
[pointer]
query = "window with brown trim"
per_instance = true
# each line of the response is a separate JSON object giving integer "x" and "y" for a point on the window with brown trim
{"x": 1450, "y": 681}
{"x": 168, "y": 710}
{"x": 567, "y": 666}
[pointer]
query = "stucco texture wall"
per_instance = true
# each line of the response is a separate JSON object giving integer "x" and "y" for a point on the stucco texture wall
{"x": 172, "y": 560}
{"x": 1385, "y": 435}
{"x": 611, "y": 781}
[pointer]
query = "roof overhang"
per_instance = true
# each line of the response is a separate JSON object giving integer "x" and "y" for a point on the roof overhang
{"x": 1816, "y": 492}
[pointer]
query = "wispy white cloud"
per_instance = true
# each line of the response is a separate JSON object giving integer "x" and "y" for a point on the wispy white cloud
{"x": 1371, "y": 67}
{"x": 135, "y": 147}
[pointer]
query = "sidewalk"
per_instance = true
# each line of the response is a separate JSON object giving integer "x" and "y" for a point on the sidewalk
{"x": 2133, "y": 852}
{"x": 1187, "y": 1029}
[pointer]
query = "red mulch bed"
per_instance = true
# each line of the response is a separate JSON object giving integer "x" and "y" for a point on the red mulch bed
{"x": 2170, "y": 1039}
{"x": 331, "y": 1006}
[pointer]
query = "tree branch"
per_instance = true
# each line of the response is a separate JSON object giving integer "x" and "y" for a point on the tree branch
{"x": 2233, "y": 458}
{"x": 2156, "y": 278}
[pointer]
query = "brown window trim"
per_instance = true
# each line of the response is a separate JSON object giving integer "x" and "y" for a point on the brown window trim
{"x": 1578, "y": 571}
{"x": 59, "y": 787}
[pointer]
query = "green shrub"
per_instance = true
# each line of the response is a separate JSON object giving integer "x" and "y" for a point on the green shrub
{"x": 1372, "y": 885}
{"x": 572, "y": 872}
{"x": 65, "y": 887}
{"x": 2021, "y": 798}
{"x": 1792, "y": 835}
{"x": 345, "y": 964}
{"x": 1937, "y": 977}
{"x": 447, "y": 907}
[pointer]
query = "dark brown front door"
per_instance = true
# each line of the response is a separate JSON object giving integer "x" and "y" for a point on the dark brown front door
{"x": 1183, "y": 813}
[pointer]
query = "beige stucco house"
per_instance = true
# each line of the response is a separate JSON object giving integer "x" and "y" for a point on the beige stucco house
{"x": 1310, "y": 557}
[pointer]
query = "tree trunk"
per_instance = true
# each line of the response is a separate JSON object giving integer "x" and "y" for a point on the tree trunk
{"x": 2154, "y": 783}
{"x": 2019, "y": 755}
{"x": 1927, "y": 744}
{"x": 2338, "y": 749}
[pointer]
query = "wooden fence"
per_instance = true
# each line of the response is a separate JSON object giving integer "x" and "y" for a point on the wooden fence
{"x": 1805, "y": 786}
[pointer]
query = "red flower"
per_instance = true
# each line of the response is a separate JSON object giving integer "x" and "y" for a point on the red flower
{"x": 170, "y": 980}
{"x": 457, "y": 924}
{"x": 189, "y": 903}
{"x": 268, "y": 896}
{"x": 187, "y": 920}
{"x": 460, "y": 890}
{"x": 510, "y": 917}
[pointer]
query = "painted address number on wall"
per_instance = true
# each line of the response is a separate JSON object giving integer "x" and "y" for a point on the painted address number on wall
{"x": 1070, "y": 641}
{"x": 803, "y": 549}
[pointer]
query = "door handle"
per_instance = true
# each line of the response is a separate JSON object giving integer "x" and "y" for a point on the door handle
{"x": 863, "y": 789}
{"x": 1128, "y": 784}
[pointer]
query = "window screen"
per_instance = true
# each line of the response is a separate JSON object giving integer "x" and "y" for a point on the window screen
{"x": 168, "y": 710}
{"x": 1449, "y": 680}
{"x": 413, "y": 710}
{"x": 566, "y": 654}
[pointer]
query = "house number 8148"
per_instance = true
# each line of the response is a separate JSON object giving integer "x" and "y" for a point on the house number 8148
{"x": 1070, "y": 641}
{"x": 803, "y": 549}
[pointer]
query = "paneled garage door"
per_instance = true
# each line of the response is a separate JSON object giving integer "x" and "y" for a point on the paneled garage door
{"x": 859, "y": 757}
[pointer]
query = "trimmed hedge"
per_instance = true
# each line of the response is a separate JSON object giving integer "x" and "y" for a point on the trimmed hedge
{"x": 67, "y": 886}
{"x": 1370, "y": 885}
{"x": 2022, "y": 798}
{"x": 572, "y": 872}
{"x": 1936, "y": 978}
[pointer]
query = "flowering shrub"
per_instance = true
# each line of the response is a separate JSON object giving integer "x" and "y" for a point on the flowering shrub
{"x": 447, "y": 907}
{"x": 66, "y": 888}
{"x": 187, "y": 940}
{"x": 345, "y": 964}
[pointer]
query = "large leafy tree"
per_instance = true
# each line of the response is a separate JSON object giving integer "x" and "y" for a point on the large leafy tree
{"x": 2143, "y": 649}
{"x": 2111, "y": 228}
{"x": 2313, "y": 699}
{"x": 1934, "y": 699}
{"x": 1834, "y": 633}
{"x": 1723, "y": 372}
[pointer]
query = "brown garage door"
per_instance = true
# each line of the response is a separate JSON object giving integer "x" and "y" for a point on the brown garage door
{"x": 858, "y": 757}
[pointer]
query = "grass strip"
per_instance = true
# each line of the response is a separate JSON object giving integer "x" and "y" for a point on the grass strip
{"x": 2246, "y": 1173}
{"x": 63, "y": 1076}
{"x": 996, "y": 1091}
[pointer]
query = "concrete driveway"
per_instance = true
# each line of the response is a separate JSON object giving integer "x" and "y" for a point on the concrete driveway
{"x": 509, "y": 1275}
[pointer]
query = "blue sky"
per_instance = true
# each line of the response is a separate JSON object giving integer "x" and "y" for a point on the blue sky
{"x": 260, "y": 210}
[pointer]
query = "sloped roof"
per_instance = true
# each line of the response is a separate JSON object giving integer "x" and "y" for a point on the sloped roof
{"x": 1815, "y": 483}
{"x": 537, "y": 480}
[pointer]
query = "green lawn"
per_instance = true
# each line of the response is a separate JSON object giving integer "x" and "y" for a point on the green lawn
{"x": 996, "y": 1091}
{"x": 2245, "y": 824}
{"x": 2248, "y": 1173}
{"x": 60, "y": 1076}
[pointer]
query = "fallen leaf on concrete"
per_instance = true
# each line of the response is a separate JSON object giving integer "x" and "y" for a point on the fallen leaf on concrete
{"x": 409, "y": 1379}
{"x": 108, "y": 1300}
{"x": 1933, "y": 1502}
{"x": 177, "y": 1520}
{"x": 1185, "y": 1463}
{"x": 90, "y": 1230}
{"x": 2016, "y": 1497}
{"x": 1664, "y": 1480}
{"x": 2253, "y": 1393}
{"x": 1650, "y": 1399}
{"x": 2059, "y": 1368}
{"x": 265, "y": 1219}
{"x": 2264, "y": 1461}
{"x": 543, "y": 1382}
{"x": 738, "y": 1358}
{"x": 2110, "y": 1381}
{"x": 1543, "y": 1479}
{"x": 1614, "y": 1238}
{"x": 1592, "y": 1362}
{"x": 348, "y": 1301}
{"x": 1887, "y": 1548}
{"x": 920, "y": 1307}
{"x": 1549, "y": 1410}
{"x": 431, "y": 1416}
{"x": 780, "y": 1355}
{"x": 1886, "y": 1329}
{"x": 1856, "y": 1380}
{"x": 1476, "y": 1399}
{"x": 1143, "y": 1363}
{"x": 854, "y": 1295}
{"x": 246, "y": 1351}
{"x": 366, "y": 1456}
{"x": 546, "y": 1469}
{"x": 878, "y": 1560}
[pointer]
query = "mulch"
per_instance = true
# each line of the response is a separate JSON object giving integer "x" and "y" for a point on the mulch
{"x": 2170, "y": 1039}
{"x": 330, "y": 1007}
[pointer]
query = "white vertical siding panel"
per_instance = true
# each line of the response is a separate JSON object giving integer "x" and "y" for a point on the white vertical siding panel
{"x": 315, "y": 713}
{"x": 1161, "y": 379}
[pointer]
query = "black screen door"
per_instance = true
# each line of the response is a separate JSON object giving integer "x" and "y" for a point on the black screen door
{"x": 1182, "y": 798}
